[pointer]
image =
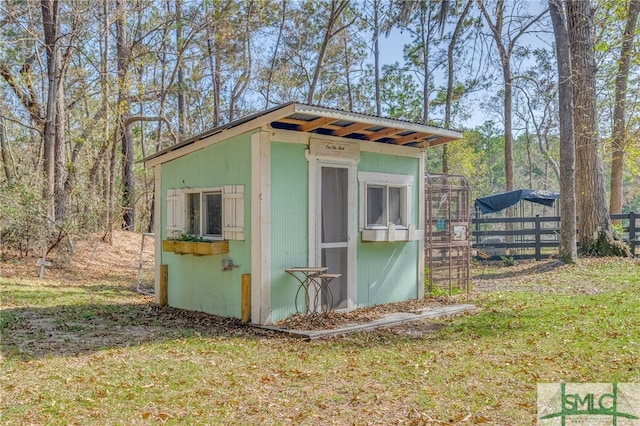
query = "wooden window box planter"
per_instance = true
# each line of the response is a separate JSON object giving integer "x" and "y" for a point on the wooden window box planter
{"x": 195, "y": 248}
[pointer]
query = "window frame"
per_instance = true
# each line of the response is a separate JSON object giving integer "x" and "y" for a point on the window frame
{"x": 386, "y": 181}
{"x": 203, "y": 192}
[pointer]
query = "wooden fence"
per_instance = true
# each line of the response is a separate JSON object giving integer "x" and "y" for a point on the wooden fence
{"x": 535, "y": 237}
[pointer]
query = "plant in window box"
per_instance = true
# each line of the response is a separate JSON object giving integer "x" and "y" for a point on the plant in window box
{"x": 191, "y": 244}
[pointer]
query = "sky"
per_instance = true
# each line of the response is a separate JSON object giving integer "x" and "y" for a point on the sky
{"x": 392, "y": 48}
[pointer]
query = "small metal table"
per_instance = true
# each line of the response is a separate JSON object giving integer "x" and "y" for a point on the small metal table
{"x": 314, "y": 282}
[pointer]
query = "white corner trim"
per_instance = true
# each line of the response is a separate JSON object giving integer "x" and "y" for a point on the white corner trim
{"x": 261, "y": 228}
{"x": 157, "y": 228}
{"x": 421, "y": 223}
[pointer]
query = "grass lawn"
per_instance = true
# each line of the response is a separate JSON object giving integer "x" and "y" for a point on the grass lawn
{"x": 91, "y": 351}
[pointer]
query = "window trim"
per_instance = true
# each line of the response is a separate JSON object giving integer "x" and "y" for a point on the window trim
{"x": 387, "y": 180}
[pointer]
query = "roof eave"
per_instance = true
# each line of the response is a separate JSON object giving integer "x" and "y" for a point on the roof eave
{"x": 266, "y": 117}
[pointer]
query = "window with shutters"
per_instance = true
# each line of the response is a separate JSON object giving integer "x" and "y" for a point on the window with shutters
{"x": 211, "y": 213}
{"x": 204, "y": 214}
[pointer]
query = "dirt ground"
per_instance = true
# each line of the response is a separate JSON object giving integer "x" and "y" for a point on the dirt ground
{"x": 94, "y": 260}
{"x": 88, "y": 259}
{"x": 133, "y": 317}
{"x": 111, "y": 311}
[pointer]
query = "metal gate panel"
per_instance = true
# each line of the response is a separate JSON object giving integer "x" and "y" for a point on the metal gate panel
{"x": 447, "y": 232}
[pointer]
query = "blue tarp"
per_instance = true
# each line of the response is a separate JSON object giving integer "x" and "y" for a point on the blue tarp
{"x": 497, "y": 202}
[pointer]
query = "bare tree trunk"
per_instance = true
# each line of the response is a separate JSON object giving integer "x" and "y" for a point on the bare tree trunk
{"x": 376, "y": 54}
{"x": 110, "y": 177}
{"x": 595, "y": 235}
{"x": 214, "y": 50}
{"x": 60, "y": 158}
{"x": 529, "y": 162}
{"x": 243, "y": 81}
{"x": 505, "y": 50}
{"x": 163, "y": 89}
{"x": 50, "y": 10}
{"x": 337, "y": 7}
{"x": 543, "y": 146}
{"x": 568, "y": 244}
{"x": 425, "y": 21}
{"x": 619, "y": 142}
{"x": 182, "y": 102}
{"x": 267, "y": 100}
{"x": 128, "y": 180}
{"x": 214, "y": 64}
{"x": 505, "y": 57}
{"x": 4, "y": 151}
{"x": 99, "y": 159}
{"x": 347, "y": 71}
{"x": 450, "y": 79}
{"x": 542, "y": 137}
{"x": 124, "y": 132}
{"x": 508, "y": 124}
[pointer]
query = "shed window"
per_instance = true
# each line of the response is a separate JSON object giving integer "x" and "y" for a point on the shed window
{"x": 204, "y": 213}
{"x": 212, "y": 213}
{"x": 385, "y": 200}
{"x": 386, "y": 204}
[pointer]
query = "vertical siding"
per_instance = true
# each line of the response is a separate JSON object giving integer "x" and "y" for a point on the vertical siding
{"x": 289, "y": 218}
{"x": 388, "y": 272}
{"x": 198, "y": 283}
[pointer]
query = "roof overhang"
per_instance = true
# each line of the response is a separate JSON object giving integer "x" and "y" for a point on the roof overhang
{"x": 323, "y": 121}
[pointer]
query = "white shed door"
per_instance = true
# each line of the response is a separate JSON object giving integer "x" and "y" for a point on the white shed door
{"x": 334, "y": 233}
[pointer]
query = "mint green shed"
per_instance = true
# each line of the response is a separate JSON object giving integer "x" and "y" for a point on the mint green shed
{"x": 293, "y": 186}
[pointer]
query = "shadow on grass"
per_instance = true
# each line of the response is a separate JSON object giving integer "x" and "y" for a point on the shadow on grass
{"x": 513, "y": 272}
{"x": 70, "y": 330}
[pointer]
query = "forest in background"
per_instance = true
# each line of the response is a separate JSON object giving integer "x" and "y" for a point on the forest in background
{"x": 89, "y": 88}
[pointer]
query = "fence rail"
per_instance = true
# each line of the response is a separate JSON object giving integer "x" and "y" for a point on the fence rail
{"x": 535, "y": 237}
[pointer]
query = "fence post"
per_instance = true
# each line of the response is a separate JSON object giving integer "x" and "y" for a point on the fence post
{"x": 163, "y": 294}
{"x": 538, "y": 235}
{"x": 245, "y": 311}
{"x": 632, "y": 233}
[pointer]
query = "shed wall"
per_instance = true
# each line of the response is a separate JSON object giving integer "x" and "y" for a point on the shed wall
{"x": 388, "y": 272}
{"x": 289, "y": 218}
{"x": 198, "y": 283}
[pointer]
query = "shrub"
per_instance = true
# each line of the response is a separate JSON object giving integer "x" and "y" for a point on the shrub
{"x": 23, "y": 223}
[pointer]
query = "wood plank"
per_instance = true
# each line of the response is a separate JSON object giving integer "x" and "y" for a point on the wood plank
{"x": 410, "y": 138}
{"x": 220, "y": 247}
{"x": 383, "y": 133}
{"x": 163, "y": 297}
{"x": 246, "y": 298}
{"x": 319, "y": 122}
{"x": 352, "y": 128}
{"x": 441, "y": 140}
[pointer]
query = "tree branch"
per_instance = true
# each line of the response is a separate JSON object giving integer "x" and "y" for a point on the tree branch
{"x": 134, "y": 118}
{"x": 25, "y": 98}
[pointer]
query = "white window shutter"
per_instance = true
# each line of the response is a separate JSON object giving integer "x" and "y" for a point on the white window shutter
{"x": 233, "y": 214}
{"x": 175, "y": 212}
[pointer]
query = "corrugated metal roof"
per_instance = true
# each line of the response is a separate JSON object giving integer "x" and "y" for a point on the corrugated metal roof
{"x": 334, "y": 122}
